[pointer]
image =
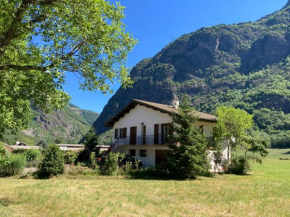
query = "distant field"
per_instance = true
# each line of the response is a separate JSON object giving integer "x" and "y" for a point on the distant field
{"x": 265, "y": 192}
{"x": 279, "y": 153}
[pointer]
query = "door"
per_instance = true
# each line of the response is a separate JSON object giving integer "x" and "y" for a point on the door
{"x": 156, "y": 134}
{"x": 159, "y": 156}
{"x": 133, "y": 135}
{"x": 143, "y": 135}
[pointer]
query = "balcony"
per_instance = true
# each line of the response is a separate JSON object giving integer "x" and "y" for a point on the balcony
{"x": 143, "y": 140}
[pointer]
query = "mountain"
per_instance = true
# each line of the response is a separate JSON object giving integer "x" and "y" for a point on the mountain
{"x": 68, "y": 125}
{"x": 245, "y": 65}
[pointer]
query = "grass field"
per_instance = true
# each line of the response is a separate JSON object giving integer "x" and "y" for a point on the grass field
{"x": 265, "y": 192}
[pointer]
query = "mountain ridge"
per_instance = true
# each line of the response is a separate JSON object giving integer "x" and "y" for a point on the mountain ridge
{"x": 243, "y": 65}
{"x": 68, "y": 125}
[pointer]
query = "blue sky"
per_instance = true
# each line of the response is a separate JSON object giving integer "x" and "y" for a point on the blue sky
{"x": 156, "y": 23}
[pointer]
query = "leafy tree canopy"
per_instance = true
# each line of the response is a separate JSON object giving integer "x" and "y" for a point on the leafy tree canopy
{"x": 91, "y": 139}
{"x": 41, "y": 40}
{"x": 232, "y": 123}
{"x": 233, "y": 126}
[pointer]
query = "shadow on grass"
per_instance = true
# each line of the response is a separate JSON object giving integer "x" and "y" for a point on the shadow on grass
{"x": 154, "y": 174}
{"x": 288, "y": 152}
{"x": 7, "y": 201}
{"x": 148, "y": 174}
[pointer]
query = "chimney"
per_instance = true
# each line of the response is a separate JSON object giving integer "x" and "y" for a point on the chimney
{"x": 175, "y": 101}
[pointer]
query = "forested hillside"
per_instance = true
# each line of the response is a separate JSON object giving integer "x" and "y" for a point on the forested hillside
{"x": 244, "y": 65}
{"x": 68, "y": 125}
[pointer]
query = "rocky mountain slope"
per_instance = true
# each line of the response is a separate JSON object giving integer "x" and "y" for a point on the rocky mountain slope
{"x": 245, "y": 65}
{"x": 68, "y": 125}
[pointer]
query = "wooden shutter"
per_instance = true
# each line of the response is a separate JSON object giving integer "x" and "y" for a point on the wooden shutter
{"x": 133, "y": 135}
{"x": 125, "y": 133}
{"x": 116, "y": 133}
{"x": 156, "y": 134}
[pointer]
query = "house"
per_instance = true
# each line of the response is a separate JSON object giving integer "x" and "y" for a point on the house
{"x": 141, "y": 130}
{"x": 20, "y": 144}
{"x": 15, "y": 147}
{"x": 102, "y": 148}
{"x": 71, "y": 147}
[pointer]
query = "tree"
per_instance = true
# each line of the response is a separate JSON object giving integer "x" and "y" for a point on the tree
{"x": 91, "y": 139}
{"x": 188, "y": 155}
{"x": 42, "y": 144}
{"x": 41, "y": 40}
{"x": 52, "y": 163}
{"x": 231, "y": 126}
{"x": 59, "y": 141}
{"x": 3, "y": 151}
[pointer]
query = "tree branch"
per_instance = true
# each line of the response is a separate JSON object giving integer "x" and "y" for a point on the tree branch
{"x": 17, "y": 67}
{"x": 42, "y": 68}
{"x": 11, "y": 32}
{"x": 37, "y": 19}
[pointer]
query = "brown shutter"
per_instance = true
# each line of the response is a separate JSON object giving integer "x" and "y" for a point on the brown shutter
{"x": 116, "y": 133}
{"x": 125, "y": 132}
{"x": 133, "y": 135}
{"x": 156, "y": 133}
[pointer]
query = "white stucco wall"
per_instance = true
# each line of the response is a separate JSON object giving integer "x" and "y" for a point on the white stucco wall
{"x": 149, "y": 117}
{"x": 141, "y": 114}
{"x": 149, "y": 160}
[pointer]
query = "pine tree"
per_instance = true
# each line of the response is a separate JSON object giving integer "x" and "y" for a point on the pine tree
{"x": 188, "y": 155}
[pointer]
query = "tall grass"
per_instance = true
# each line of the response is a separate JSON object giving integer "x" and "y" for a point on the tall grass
{"x": 12, "y": 164}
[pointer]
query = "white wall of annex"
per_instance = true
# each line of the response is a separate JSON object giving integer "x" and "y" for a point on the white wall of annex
{"x": 141, "y": 114}
{"x": 207, "y": 127}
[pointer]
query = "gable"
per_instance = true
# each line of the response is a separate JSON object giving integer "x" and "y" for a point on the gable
{"x": 142, "y": 115}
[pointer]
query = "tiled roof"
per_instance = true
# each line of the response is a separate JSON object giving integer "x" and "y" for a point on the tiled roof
{"x": 156, "y": 106}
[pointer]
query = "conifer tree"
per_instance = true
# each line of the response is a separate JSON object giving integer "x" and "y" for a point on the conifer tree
{"x": 188, "y": 155}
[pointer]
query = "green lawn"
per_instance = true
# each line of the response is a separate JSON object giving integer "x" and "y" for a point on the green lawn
{"x": 265, "y": 192}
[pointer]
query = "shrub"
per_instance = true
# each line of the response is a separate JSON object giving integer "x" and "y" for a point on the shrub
{"x": 42, "y": 144}
{"x": 12, "y": 164}
{"x": 33, "y": 163}
{"x": 81, "y": 170}
{"x": 33, "y": 155}
{"x": 111, "y": 164}
{"x": 70, "y": 157}
{"x": 93, "y": 160}
{"x": 3, "y": 151}
{"x": 52, "y": 163}
{"x": 83, "y": 155}
{"x": 239, "y": 166}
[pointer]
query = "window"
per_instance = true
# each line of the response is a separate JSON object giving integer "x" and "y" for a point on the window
{"x": 116, "y": 133}
{"x": 123, "y": 133}
{"x": 132, "y": 152}
{"x": 143, "y": 153}
{"x": 166, "y": 130}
